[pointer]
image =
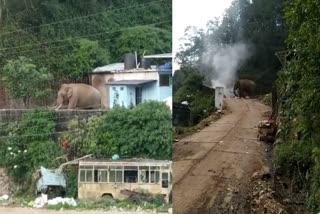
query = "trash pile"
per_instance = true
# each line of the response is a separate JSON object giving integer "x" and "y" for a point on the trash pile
{"x": 267, "y": 130}
{"x": 263, "y": 198}
{"x": 4, "y": 197}
{"x": 42, "y": 200}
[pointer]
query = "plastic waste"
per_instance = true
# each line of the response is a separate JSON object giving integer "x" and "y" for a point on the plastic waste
{"x": 115, "y": 157}
{"x": 59, "y": 200}
{"x": 4, "y": 197}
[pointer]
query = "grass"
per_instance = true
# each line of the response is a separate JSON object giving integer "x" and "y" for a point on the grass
{"x": 182, "y": 132}
{"x": 103, "y": 204}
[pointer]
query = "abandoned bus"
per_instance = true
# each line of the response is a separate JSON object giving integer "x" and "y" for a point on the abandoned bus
{"x": 106, "y": 178}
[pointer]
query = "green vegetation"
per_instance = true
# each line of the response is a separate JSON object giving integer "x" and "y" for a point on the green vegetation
{"x": 28, "y": 145}
{"x": 259, "y": 25}
{"x": 144, "y": 131}
{"x": 188, "y": 87}
{"x": 297, "y": 151}
{"x": 24, "y": 80}
{"x": 68, "y": 39}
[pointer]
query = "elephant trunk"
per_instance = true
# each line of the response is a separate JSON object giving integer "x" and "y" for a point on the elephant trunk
{"x": 234, "y": 91}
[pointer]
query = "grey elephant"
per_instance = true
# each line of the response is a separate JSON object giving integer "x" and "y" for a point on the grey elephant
{"x": 78, "y": 96}
{"x": 246, "y": 88}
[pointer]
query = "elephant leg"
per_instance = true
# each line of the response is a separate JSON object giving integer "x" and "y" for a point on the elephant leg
{"x": 72, "y": 104}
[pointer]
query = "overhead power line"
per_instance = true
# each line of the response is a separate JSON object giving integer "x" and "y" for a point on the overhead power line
{"x": 81, "y": 17}
{"x": 80, "y": 37}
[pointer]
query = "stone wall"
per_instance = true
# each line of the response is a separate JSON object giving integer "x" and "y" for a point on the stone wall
{"x": 6, "y": 185}
{"x": 63, "y": 116}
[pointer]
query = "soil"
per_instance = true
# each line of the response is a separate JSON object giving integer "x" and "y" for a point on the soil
{"x": 213, "y": 168}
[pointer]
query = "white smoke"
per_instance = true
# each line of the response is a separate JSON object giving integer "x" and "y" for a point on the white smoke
{"x": 224, "y": 61}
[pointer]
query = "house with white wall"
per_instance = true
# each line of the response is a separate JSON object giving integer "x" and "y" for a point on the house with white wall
{"x": 130, "y": 87}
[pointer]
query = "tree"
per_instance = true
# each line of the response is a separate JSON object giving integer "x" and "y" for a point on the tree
{"x": 84, "y": 58}
{"x": 144, "y": 131}
{"x": 24, "y": 80}
{"x": 151, "y": 40}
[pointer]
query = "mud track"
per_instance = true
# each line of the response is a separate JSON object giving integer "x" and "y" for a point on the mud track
{"x": 212, "y": 168}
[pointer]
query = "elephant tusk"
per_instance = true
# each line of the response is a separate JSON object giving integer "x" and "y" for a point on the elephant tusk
{"x": 58, "y": 107}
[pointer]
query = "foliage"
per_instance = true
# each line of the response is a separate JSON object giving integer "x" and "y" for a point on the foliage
{"x": 298, "y": 85}
{"x": 188, "y": 87}
{"x": 259, "y": 25}
{"x": 107, "y": 204}
{"x": 63, "y": 35}
{"x": 138, "y": 39}
{"x": 144, "y": 131}
{"x": 86, "y": 56}
{"x": 30, "y": 145}
{"x": 24, "y": 80}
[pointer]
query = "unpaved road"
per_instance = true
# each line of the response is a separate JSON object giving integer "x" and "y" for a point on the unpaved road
{"x": 20, "y": 210}
{"x": 212, "y": 168}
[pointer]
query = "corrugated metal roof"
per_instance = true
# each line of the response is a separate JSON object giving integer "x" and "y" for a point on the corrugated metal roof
{"x": 156, "y": 56}
{"x": 111, "y": 67}
{"x": 130, "y": 82}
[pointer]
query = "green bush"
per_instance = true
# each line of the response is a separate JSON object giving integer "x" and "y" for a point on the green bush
{"x": 189, "y": 88}
{"x": 144, "y": 131}
{"x": 30, "y": 144}
{"x": 299, "y": 116}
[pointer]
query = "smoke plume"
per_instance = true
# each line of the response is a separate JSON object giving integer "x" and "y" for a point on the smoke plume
{"x": 222, "y": 63}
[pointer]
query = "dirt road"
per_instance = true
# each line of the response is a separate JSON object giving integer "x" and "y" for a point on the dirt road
{"x": 20, "y": 210}
{"x": 212, "y": 168}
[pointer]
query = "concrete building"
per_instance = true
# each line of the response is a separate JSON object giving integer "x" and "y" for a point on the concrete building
{"x": 129, "y": 87}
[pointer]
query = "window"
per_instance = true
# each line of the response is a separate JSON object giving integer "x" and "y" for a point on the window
{"x": 86, "y": 174}
{"x": 138, "y": 95}
{"x": 130, "y": 174}
{"x": 100, "y": 174}
{"x": 165, "y": 180}
{"x": 115, "y": 174}
{"x": 154, "y": 174}
{"x": 144, "y": 174}
{"x": 164, "y": 80}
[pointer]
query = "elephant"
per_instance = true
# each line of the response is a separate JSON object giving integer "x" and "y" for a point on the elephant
{"x": 246, "y": 88}
{"x": 78, "y": 96}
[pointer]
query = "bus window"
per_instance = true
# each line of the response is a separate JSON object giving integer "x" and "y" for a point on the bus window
{"x": 144, "y": 174}
{"x": 154, "y": 174}
{"x": 115, "y": 174}
{"x": 165, "y": 180}
{"x": 100, "y": 174}
{"x": 130, "y": 174}
{"x": 86, "y": 174}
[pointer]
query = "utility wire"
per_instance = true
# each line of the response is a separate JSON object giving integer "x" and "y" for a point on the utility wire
{"x": 62, "y": 46}
{"x": 81, "y": 17}
{"x": 90, "y": 35}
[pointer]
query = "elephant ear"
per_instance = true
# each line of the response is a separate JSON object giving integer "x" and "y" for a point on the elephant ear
{"x": 69, "y": 92}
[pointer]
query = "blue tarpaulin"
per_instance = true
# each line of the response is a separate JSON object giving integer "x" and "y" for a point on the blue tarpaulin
{"x": 50, "y": 178}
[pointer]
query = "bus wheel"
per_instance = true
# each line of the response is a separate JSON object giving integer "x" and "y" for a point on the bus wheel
{"x": 107, "y": 196}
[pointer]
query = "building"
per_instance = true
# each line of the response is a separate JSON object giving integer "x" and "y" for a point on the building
{"x": 129, "y": 87}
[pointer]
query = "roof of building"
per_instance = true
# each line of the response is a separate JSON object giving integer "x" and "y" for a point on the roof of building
{"x": 111, "y": 67}
{"x": 133, "y": 161}
{"x": 130, "y": 82}
{"x": 158, "y": 56}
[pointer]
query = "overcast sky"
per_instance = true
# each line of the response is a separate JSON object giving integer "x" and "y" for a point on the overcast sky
{"x": 194, "y": 13}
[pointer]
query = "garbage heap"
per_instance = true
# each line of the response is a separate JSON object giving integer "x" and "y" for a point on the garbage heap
{"x": 267, "y": 130}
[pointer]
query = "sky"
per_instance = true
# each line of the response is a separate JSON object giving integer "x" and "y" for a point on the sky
{"x": 194, "y": 13}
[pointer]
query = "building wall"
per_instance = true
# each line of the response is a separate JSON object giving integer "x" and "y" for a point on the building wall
{"x": 150, "y": 91}
{"x": 131, "y": 95}
{"x": 165, "y": 91}
{"x": 124, "y": 95}
{"x": 99, "y": 82}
